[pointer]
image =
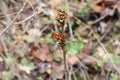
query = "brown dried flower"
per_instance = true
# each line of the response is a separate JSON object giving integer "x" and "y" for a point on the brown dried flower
{"x": 56, "y": 37}
{"x": 63, "y": 41}
{"x": 62, "y": 15}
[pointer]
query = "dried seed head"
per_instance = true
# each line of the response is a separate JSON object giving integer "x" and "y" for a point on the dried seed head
{"x": 62, "y": 15}
{"x": 63, "y": 41}
{"x": 56, "y": 37}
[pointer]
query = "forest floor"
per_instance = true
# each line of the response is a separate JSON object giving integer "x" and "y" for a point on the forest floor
{"x": 27, "y": 51}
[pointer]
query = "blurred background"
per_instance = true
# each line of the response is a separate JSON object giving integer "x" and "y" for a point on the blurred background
{"x": 27, "y": 51}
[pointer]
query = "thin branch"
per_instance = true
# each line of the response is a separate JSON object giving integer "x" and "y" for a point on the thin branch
{"x": 31, "y": 5}
{"x": 101, "y": 38}
{"x": 5, "y": 11}
{"x": 26, "y": 19}
{"x": 11, "y": 23}
{"x": 69, "y": 25}
{"x": 31, "y": 16}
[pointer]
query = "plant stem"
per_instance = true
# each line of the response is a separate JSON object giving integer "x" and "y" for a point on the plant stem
{"x": 65, "y": 64}
{"x": 64, "y": 51}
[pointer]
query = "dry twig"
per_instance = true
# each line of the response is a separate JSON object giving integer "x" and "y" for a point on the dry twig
{"x": 11, "y": 23}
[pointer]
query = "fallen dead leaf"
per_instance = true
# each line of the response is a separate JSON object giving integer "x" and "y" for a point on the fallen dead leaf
{"x": 109, "y": 2}
{"x": 103, "y": 27}
{"x": 97, "y": 8}
{"x": 100, "y": 53}
{"x": 59, "y": 54}
{"x": 39, "y": 55}
{"x": 55, "y": 3}
{"x": 34, "y": 32}
{"x": 49, "y": 70}
{"x": 27, "y": 69}
{"x": 44, "y": 67}
{"x": 42, "y": 54}
{"x": 96, "y": 1}
{"x": 50, "y": 58}
{"x": 58, "y": 72}
{"x": 108, "y": 11}
{"x": 73, "y": 60}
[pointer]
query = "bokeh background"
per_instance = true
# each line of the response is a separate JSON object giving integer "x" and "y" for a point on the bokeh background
{"x": 27, "y": 51}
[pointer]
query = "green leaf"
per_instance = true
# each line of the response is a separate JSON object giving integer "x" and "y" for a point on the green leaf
{"x": 114, "y": 76}
{"x": 11, "y": 59}
{"x": 117, "y": 24}
{"x": 78, "y": 21}
{"x": 50, "y": 41}
{"x": 80, "y": 12}
{"x": 74, "y": 47}
{"x": 95, "y": 36}
{"x": 49, "y": 38}
{"x": 96, "y": 67}
{"x": 20, "y": 52}
{"x": 89, "y": 1}
{"x": 14, "y": 36}
{"x": 28, "y": 38}
{"x": 100, "y": 63}
{"x": 47, "y": 20}
{"x": 26, "y": 63}
{"x": 116, "y": 59}
{"x": 39, "y": 78}
{"x": 67, "y": 8}
{"x": 42, "y": 40}
{"x": 7, "y": 74}
{"x": 56, "y": 57}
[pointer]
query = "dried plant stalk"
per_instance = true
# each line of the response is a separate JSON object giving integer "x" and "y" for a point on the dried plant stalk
{"x": 61, "y": 37}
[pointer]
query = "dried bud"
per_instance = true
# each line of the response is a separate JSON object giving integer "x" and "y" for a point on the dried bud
{"x": 62, "y": 44}
{"x": 61, "y": 15}
{"x": 56, "y": 37}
